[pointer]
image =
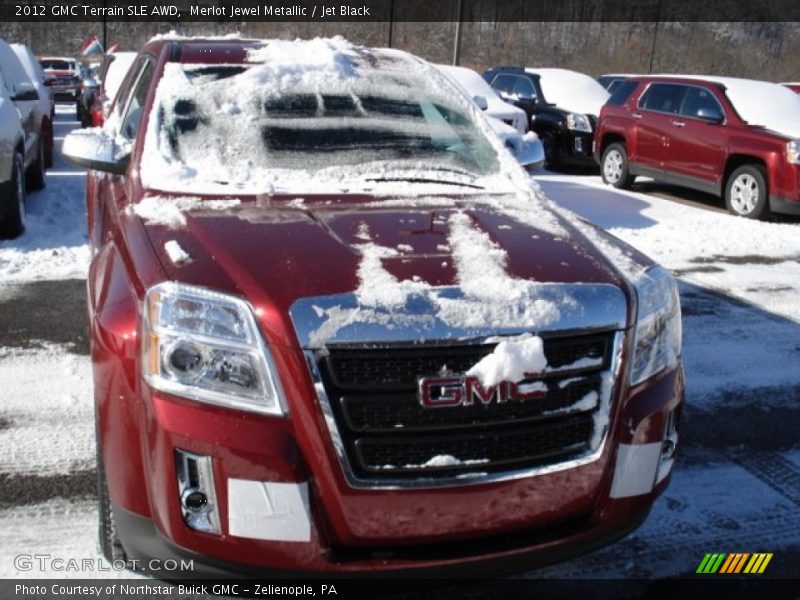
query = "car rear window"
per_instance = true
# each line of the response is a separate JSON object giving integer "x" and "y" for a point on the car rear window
{"x": 663, "y": 97}
{"x": 56, "y": 65}
{"x": 622, "y": 92}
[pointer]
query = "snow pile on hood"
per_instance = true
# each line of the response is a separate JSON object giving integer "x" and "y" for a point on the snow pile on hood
{"x": 176, "y": 253}
{"x": 160, "y": 210}
{"x": 512, "y": 360}
{"x": 490, "y": 296}
{"x": 572, "y": 91}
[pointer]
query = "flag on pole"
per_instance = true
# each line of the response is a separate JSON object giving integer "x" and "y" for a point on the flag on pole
{"x": 115, "y": 48}
{"x": 91, "y": 46}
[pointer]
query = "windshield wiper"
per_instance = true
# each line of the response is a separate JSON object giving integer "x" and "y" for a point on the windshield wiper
{"x": 412, "y": 179}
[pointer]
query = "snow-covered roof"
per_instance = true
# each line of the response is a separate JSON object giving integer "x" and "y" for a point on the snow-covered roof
{"x": 760, "y": 103}
{"x": 572, "y": 91}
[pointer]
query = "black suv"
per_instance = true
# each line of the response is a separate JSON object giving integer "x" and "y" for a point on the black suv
{"x": 562, "y": 107}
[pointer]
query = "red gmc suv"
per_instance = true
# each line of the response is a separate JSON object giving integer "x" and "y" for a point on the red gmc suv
{"x": 335, "y": 327}
{"x": 735, "y": 138}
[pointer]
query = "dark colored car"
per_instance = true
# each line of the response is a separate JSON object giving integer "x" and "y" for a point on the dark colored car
{"x": 734, "y": 138}
{"x": 333, "y": 328}
{"x": 562, "y": 107}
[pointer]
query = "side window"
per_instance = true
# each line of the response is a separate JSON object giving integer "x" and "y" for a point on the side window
{"x": 697, "y": 99}
{"x": 622, "y": 92}
{"x": 663, "y": 97}
{"x": 503, "y": 83}
{"x": 523, "y": 88}
{"x": 132, "y": 110}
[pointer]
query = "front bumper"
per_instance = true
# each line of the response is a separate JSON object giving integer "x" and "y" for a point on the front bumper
{"x": 489, "y": 530}
{"x": 574, "y": 148}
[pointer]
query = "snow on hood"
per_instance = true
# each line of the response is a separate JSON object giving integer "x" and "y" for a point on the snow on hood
{"x": 490, "y": 296}
{"x": 572, "y": 91}
{"x": 761, "y": 103}
{"x": 169, "y": 211}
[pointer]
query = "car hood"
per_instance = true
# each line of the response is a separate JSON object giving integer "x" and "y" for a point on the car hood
{"x": 383, "y": 254}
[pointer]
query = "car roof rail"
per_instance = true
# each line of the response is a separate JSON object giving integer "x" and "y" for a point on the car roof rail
{"x": 507, "y": 68}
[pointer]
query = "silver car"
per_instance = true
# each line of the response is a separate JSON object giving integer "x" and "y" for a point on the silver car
{"x": 12, "y": 170}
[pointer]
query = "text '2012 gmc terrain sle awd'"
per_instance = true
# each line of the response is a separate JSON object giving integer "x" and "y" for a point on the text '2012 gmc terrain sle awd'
{"x": 335, "y": 326}
{"x": 735, "y": 138}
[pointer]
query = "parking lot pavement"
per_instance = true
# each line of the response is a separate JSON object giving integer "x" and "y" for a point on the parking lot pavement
{"x": 736, "y": 487}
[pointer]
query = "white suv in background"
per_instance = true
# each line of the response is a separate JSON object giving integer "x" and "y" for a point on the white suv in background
{"x": 23, "y": 94}
{"x": 47, "y": 105}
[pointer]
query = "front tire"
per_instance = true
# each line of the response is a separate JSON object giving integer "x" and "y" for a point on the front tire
{"x": 746, "y": 192}
{"x": 35, "y": 177}
{"x": 12, "y": 202}
{"x": 614, "y": 167}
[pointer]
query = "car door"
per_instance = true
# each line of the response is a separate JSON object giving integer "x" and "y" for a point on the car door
{"x": 13, "y": 76}
{"x": 699, "y": 137}
{"x": 653, "y": 116}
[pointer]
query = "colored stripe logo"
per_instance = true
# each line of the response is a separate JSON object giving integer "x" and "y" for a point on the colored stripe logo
{"x": 734, "y": 563}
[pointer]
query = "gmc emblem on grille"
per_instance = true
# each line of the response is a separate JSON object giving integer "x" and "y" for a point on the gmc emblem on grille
{"x": 446, "y": 392}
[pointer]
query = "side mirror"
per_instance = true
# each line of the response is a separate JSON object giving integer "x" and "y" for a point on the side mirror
{"x": 712, "y": 115}
{"x": 94, "y": 149}
{"x": 23, "y": 92}
{"x": 530, "y": 153}
{"x": 481, "y": 101}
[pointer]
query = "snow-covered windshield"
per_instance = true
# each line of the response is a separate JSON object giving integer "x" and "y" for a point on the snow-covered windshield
{"x": 310, "y": 114}
{"x": 571, "y": 90}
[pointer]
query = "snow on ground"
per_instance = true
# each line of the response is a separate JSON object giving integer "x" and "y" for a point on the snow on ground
{"x": 54, "y": 245}
{"x": 755, "y": 261}
{"x": 49, "y": 411}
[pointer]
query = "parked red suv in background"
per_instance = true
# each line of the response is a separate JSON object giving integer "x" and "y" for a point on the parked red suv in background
{"x": 735, "y": 138}
{"x": 335, "y": 327}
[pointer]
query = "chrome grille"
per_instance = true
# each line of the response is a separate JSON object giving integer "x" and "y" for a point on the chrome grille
{"x": 387, "y": 437}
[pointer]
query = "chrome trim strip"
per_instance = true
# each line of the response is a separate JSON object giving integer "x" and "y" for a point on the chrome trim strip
{"x": 602, "y": 418}
{"x": 339, "y": 318}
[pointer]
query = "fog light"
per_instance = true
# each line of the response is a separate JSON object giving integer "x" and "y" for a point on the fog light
{"x": 196, "y": 491}
{"x": 579, "y": 145}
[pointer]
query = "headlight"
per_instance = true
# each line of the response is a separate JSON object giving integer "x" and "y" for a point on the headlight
{"x": 206, "y": 345}
{"x": 657, "y": 344}
{"x": 793, "y": 152}
{"x": 578, "y": 122}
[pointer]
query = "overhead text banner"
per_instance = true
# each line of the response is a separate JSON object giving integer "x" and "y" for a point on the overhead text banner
{"x": 240, "y": 11}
